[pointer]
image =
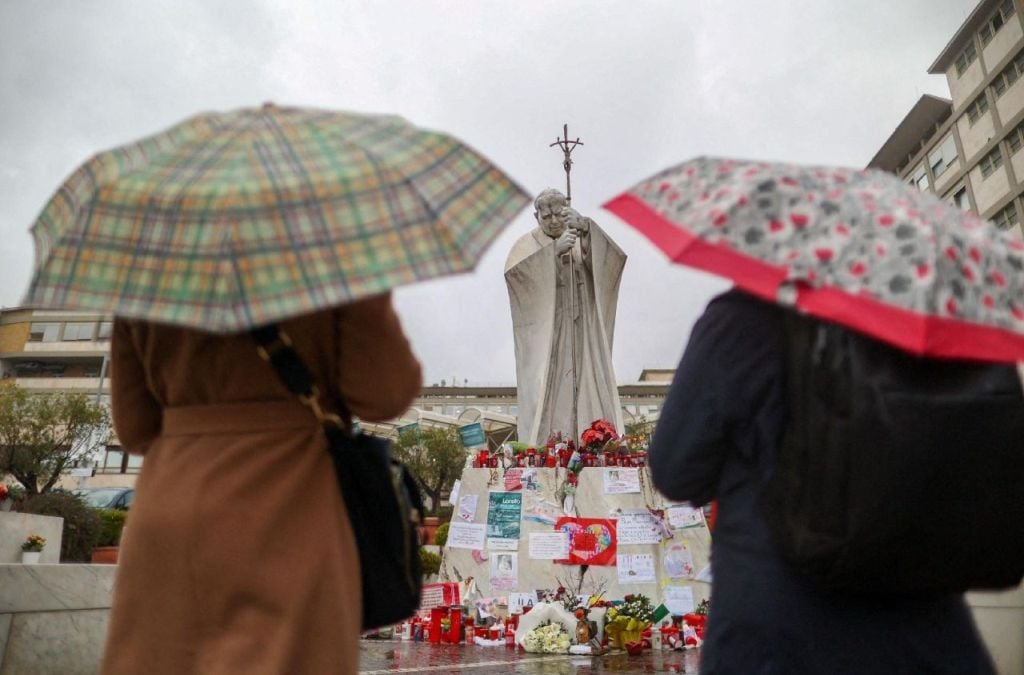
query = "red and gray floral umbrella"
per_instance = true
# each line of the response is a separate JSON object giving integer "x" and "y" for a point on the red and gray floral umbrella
{"x": 860, "y": 248}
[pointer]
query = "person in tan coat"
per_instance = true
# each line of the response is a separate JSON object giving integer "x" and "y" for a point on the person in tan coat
{"x": 238, "y": 556}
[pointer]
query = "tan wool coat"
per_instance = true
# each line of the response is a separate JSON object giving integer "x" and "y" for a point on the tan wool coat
{"x": 238, "y": 556}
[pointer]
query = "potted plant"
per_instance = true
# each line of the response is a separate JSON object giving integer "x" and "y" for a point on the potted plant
{"x": 108, "y": 543}
{"x": 32, "y": 548}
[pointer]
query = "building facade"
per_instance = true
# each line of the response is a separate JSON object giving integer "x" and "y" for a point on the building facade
{"x": 969, "y": 149}
{"x": 68, "y": 351}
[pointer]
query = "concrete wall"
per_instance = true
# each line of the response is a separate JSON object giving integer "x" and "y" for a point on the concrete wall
{"x": 1011, "y": 102}
{"x": 15, "y": 528}
{"x": 988, "y": 191}
{"x": 961, "y": 88}
{"x": 13, "y": 337}
{"x": 974, "y": 138}
{"x": 53, "y": 618}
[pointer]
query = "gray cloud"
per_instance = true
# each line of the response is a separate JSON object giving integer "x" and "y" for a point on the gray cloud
{"x": 644, "y": 84}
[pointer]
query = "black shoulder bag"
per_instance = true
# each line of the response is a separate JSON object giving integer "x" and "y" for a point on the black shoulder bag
{"x": 383, "y": 501}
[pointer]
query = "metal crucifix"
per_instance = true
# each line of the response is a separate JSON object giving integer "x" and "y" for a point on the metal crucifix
{"x": 567, "y": 147}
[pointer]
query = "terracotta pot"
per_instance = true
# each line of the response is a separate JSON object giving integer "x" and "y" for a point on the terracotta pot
{"x": 429, "y": 528}
{"x": 105, "y": 555}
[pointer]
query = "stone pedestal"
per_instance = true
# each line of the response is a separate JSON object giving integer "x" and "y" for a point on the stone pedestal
{"x": 591, "y": 502}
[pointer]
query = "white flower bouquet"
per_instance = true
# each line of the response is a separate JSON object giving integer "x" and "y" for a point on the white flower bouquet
{"x": 550, "y": 638}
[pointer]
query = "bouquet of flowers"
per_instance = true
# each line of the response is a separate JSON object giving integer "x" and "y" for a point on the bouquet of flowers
{"x": 548, "y": 638}
{"x": 625, "y": 622}
{"x": 595, "y": 437}
{"x": 33, "y": 544}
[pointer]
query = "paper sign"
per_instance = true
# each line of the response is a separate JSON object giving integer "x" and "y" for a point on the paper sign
{"x": 705, "y": 575}
{"x": 621, "y": 481}
{"x": 504, "y": 511}
{"x": 638, "y": 527}
{"x": 679, "y": 599}
{"x": 635, "y": 568}
{"x": 472, "y": 435}
{"x": 538, "y": 510}
{"x": 681, "y": 515}
{"x": 500, "y": 544}
{"x": 504, "y": 571}
{"x": 679, "y": 562}
{"x": 517, "y": 601}
{"x": 592, "y": 541}
{"x": 466, "y": 535}
{"x": 549, "y": 545}
{"x": 434, "y": 595}
{"x": 467, "y": 508}
{"x": 453, "y": 495}
{"x": 514, "y": 479}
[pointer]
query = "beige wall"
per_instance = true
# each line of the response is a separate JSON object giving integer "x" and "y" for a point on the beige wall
{"x": 990, "y": 190}
{"x": 962, "y": 88}
{"x": 1002, "y": 42}
{"x": 974, "y": 138}
{"x": 1011, "y": 102}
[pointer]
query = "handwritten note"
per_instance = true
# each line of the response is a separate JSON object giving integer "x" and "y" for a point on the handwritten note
{"x": 549, "y": 545}
{"x": 638, "y": 527}
{"x": 466, "y": 535}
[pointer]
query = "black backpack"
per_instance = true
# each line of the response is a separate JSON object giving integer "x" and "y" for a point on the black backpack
{"x": 897, "y": 474}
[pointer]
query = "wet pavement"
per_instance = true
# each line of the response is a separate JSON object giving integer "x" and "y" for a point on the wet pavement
{"x": 392, "y": 656}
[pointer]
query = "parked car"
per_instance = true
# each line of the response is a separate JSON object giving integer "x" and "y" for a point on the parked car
{"x": 108, "y": 497}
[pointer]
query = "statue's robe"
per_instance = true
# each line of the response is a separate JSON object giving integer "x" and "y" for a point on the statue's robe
{"x": 538, "y": 288}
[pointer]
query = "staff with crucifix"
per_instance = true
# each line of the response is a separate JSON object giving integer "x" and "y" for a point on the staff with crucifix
{"x": 563, "y": 282}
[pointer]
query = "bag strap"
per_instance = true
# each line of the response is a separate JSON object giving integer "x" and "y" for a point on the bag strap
{"x": 275, "y": 347}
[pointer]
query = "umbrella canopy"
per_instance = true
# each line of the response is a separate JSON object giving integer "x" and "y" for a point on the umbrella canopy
{"x": 860, "y": 248}
{"x": 232, "y": 220}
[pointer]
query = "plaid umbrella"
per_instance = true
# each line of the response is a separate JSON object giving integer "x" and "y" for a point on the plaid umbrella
{"x": 232, "y": 220}
{"x": 860, "y": 248}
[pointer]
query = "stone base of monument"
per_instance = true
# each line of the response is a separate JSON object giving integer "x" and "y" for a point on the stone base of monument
{"x": 53, "y": 618}
{"x": 666, "y": 572}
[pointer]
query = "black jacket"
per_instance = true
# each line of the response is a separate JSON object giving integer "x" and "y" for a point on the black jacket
{"x": 716, "y": 438}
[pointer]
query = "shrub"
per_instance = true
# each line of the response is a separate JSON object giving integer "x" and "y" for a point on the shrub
{"x": 444, "y": 513}
{"x": 111, "y": 524}
{"x": 441, "y": 534}
{"x": 429, "y": 562}
{"x": 81, "y": 522}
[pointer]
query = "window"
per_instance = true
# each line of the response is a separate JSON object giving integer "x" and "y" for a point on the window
{"x": 44, "y": 332}
{"x": 77, "y": 332}
{"x": 978, "y": 108}
{"x": 1006, "y": 217}
{"x": 996, "y": 21}
{"x": 958, "y": 198}
{"x": 1010, "y": 74}
{"x": 1016, "y": 138}
{"x": 920, "y": 179}
{"x": 991, "y": 162}
{"x": 966, "y": 58}
{"x": 943, "y": 156}
{"x": 105, "y": 331}
{"x": 112, "y": 462}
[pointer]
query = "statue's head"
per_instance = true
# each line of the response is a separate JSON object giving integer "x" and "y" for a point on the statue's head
{"x": 551, "y": 209}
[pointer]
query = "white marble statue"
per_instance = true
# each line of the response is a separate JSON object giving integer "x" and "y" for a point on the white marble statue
{"x": 537, "y": 275}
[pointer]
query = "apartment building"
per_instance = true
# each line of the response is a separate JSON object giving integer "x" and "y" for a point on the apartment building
{"x": 969, "y": 149}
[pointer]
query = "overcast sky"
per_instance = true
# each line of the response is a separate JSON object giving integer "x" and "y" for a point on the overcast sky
{"x": 643, "y": 84}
